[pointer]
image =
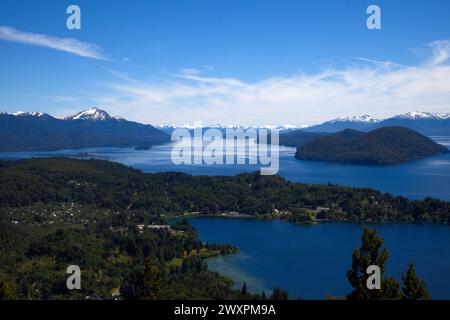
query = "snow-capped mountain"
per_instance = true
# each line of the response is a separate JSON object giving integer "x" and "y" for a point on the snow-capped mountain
{"x": 426, "y": 123}
{"x": 416, "y": 115}
{"x": 168, "y": 128}
{"x": 95, "y": 127}
{"x": 93, "y": 114}
{"x": 89, "y": 128}
{"x": 24, "y": 114}
{"x": 361, "y": 123}
{"x": 34, "y": 114}
{"x": 284, "y": 127}
{"x": 430, "y": 124}
{"x": 88, "y": 114}
{"x": 364, "y": 118}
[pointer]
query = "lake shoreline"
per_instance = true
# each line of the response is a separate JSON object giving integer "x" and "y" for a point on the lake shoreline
{"x": 298, "y": 257}
{"x": 233, "y": 215}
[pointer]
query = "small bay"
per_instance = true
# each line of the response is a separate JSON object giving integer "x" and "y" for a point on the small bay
{"x": 311, "y": 261}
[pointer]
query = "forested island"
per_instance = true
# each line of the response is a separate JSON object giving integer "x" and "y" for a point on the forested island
{"x": 383, "y": 146}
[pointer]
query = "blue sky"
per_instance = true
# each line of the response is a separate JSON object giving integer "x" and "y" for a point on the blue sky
{"x": 249, "y": 62}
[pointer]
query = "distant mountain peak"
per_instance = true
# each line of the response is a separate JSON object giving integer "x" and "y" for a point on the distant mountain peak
{"x": 89, "y": 128}
{"x": 91, "y": 114}
{"x": 286, "y": 127}
{"x": 364, "y": 118}
{"x": 88, "y": 114}
{"x": 415, "y": 115}
{"x": 23, "y": 113}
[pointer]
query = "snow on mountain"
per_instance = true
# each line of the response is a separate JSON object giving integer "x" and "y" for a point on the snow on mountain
{"x": 426, "y": 123}
{"x": 231, "y": 126}
{"x": 285, "y": 127}
{"x": 416, "y": 115}
{"x": 364, "y": 122}
{"x": 364, "y": 118}
{"x": 90, "y": 114}
{"x": 173, "y": 127}
{"x": 22, "y": 113}
{"x": 361, "y": 123}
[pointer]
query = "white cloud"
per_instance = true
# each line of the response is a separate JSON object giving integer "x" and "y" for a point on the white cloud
{"x": 382, "y": 89}
{"x": 441, "y": 51}
{"x": 74, "y": 46}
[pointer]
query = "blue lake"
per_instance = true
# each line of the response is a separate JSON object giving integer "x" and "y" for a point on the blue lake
{"x": 311, "y": 261}
{"x": 428, "y": 177}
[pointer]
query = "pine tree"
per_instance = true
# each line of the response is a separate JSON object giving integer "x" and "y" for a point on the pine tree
{"x": 369, "y": 253}
{"x": 279, "y": 294}
{"x": 150, "y": 281}
{"x": 391, "y": 289}
{"x": 413, "y": 288}
{"x": 263, "y": 295}
{"x": 244, "y": 290}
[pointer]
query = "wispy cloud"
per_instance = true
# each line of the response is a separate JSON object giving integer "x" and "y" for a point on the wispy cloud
{"x": 71, "y": 45}
{"x": 380, "y": 63}
{"x": 441, "y": 51}
{"x": 55, "y": 98}
{"x": 379, "y": 88}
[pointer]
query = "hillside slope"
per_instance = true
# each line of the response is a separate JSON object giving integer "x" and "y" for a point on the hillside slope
{"x": 383, "y": 146}
{"x": 114, "y": 186}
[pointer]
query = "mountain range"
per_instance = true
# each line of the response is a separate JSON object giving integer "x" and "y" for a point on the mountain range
{"x": 364, "y": 122}
{"x": 169, "y": 128}
{"x": 430, "y": 124}
{"x": 34, "y": 131}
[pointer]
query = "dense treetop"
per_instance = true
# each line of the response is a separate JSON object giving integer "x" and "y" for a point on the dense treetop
{"x": 110, "y": 185}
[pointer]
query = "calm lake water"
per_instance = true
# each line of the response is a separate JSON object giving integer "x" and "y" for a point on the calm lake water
{"x": 312, "y": 261}
{"x": 428, "y": 177}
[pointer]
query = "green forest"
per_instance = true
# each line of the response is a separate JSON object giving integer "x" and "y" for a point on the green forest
{"x": 107, "y": 185}
{"x": 115, "y": 262}
{"x": 109, "y": 219}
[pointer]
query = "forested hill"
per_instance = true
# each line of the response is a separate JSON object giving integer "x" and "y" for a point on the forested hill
{"x": 110, "y": 185}
{"x": 383, "y": 146}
